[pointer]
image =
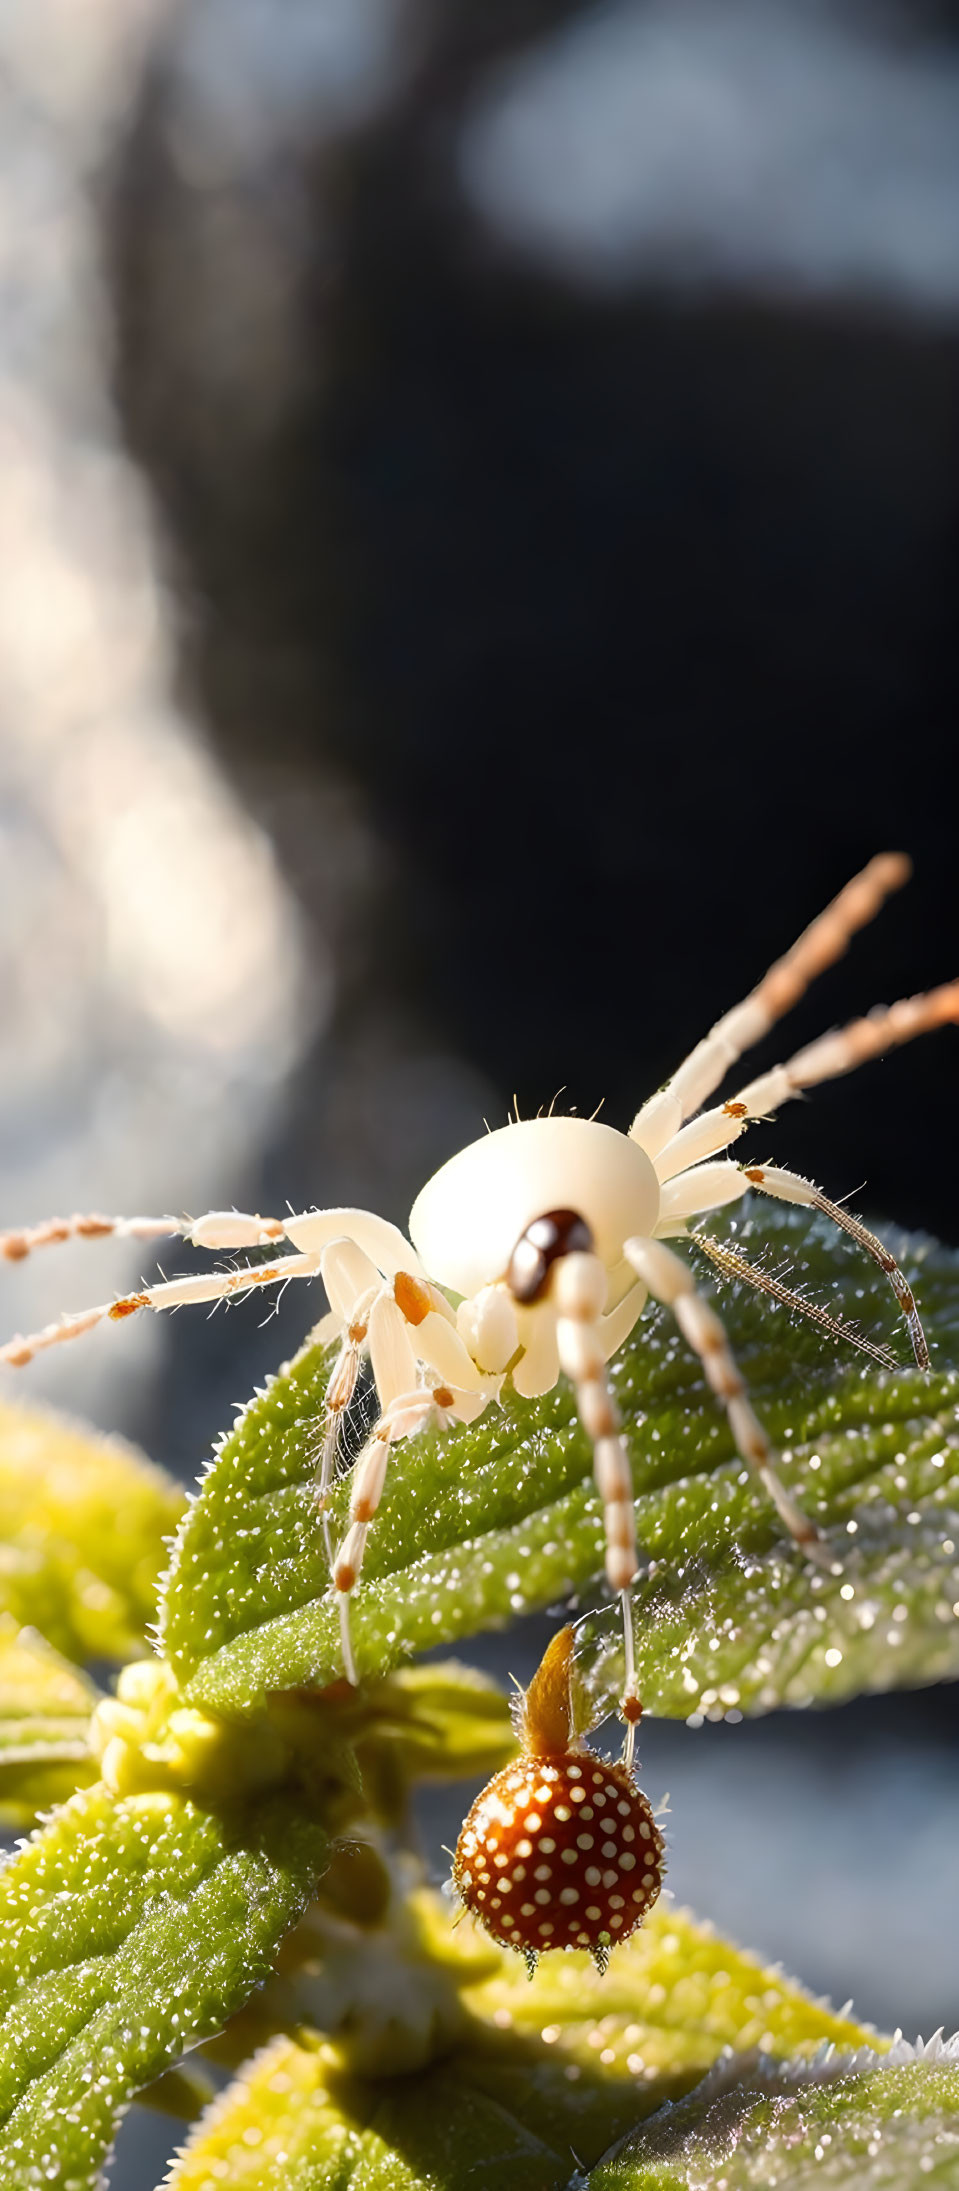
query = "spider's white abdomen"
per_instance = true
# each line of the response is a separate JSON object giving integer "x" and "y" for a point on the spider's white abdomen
{"x": 468, "y": 1218}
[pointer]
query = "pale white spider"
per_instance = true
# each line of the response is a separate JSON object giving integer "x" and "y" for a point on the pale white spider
{"x": 549, "y": 1235}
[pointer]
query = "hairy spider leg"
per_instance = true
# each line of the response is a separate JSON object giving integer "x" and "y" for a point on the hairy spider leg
{"x": 733, "y": 1264}
{"x": 352, "y": 1283}
{"x": 669, "y": 1281}
{"x": 408, "y": 1413}
{"x": 22, "y": 1241}
{"x": 712, "y": 1186}
{"x": 423, "y": 1374}
{"x": 819, "y": 946}
{"x": 218, "y": 1229}
{"x": 828, "y": 1058}
{"x": 310, "y": 1232}
{"x": 172, "y": 1293}
{"x": 692, "y": 1185}
{"x": 785, "y": 1186}
{"x": 580, "y": 1285}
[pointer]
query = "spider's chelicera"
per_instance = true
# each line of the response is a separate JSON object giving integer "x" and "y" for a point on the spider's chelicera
{"x": 534, "y": 1251}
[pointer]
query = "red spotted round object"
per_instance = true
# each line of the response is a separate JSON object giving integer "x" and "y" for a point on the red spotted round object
{"x": 561, "y": 1850}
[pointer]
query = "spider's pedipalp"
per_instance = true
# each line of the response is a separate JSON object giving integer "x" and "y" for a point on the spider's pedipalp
{"x": 671, "y": 1282}
{"x": 824, "y": 941}
{"x": 442, "y": 1348}
{"x": 488, "y": 1328}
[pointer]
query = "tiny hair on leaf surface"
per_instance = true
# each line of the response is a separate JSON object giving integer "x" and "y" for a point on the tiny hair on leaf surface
{"x": 481, "y": 1522}
{"x": 130, "y": 1928}
{"x": 544, "y": 2072}
{"x": 872, "y": 2123}
{"x": 83, "y": 1524}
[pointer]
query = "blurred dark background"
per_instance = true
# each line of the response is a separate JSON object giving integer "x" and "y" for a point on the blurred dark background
{"x": 602, "y": 531}
{"x": 535, "y": 432}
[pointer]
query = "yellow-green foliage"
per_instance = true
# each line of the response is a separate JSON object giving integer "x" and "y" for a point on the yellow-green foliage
{"x": 543, "y": 2074}
{"x": 82, "y": 1526}
{"x": 228, "y": 1880}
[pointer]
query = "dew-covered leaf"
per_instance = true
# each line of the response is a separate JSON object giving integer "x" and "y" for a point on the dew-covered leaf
{"x": 45, "y": 1708}
{"x": 130, "y": 1928}
{"x": 874, "y": 2123}
{"x": 82, "y": 1526}
{"x": 542, "y": 2073}
{"x": 483, "y": 1522}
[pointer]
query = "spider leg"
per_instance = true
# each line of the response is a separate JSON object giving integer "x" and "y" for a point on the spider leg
{"x": 309, "y": 1231}
{"x": 709, "y": 1186}
{"x": 218, "y": 1229}
{"x": 616, "y": 1327}
{"x": 669, "y": 1281}
{"x": 384, "y": 1243}
{"x": 846, "y": 1047}
{"x": 824, "y": 941}
{"x": 406, "y": 1407}
{"x": 580, "y": 1295}
{"x": 789, "y": 1187}
{"x": 173, "y": 1293}
{"x": 408, "y": 1325}
{"x": 826, "y": 1059}
{"x": 733, "y": 1264}
{"x": 17, "y": 1244}
{"x": 351, "y": 1283}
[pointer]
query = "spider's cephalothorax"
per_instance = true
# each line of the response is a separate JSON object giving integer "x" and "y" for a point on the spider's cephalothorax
{"x": 549, "y": 1236}
{"x": 561, "y": 1849}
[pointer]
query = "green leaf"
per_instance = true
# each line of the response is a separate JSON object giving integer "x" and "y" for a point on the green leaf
{"x": 543, "y": 2073}
{"x": 437, "y": 1722}
{"x": 45, "y": 1708}
{"x": 82, "y": 1526}
{"x": 484, "y": 1522}
{"x": 874, "y": 2123}
{"x": 129, "y": 1929}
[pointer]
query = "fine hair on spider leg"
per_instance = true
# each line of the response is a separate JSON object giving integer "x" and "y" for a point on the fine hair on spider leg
{"x": 732, "y": 1264}
{"x": 550, "y": 1234}
{"x": 788, "y": 1187}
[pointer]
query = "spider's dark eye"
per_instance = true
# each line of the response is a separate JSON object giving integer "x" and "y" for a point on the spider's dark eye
{"x": 556, "y": 1233}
